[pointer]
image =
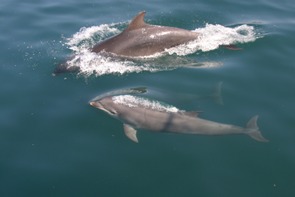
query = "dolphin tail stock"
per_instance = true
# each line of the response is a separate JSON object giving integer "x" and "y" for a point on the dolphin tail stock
{"x": 253, "y": 130}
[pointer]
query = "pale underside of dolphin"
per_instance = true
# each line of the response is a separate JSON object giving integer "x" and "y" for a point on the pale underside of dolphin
{"x": 137, "y": 116}
{"x": 140, "y": 39}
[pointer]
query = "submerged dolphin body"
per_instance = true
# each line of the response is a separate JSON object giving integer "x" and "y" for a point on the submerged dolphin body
{"x": 139, "y": 113}
{"x": 139, "y": 39}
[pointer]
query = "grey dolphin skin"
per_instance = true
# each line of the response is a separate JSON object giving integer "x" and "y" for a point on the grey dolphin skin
{"x": 137, "y": 116}
{"x": 139, "y": 39}
{"x": 142, "y": 39}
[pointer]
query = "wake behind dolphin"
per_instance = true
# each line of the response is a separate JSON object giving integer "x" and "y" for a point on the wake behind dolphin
{"x": 142, "y": 40}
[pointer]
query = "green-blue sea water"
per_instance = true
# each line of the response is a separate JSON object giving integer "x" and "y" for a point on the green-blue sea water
{"x": 53, "y": 143}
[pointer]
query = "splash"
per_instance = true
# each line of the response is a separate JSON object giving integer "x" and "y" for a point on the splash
{"x": 135, "y": 101}
{"x": 211, "y": 37}
{"x": 88, "y": 37}
{"x": 96, "y": 64}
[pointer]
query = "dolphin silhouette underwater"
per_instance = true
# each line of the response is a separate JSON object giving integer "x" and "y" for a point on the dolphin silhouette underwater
{"x": 139, "y": 39}
{"x": 140, "y": 113}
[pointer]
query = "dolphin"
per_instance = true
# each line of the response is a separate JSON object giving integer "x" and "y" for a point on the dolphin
{"x": 140, "y": 113}
{"x": 138, "y": 40}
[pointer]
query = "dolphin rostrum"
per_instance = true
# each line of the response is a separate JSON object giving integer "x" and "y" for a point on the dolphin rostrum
{"x": 140, "y": 113}
{"x": 140, "y": 39}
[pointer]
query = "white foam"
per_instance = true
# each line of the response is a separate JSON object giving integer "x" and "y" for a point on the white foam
{"x": 95, "y": 64}
{"x": 85, "y": 37}
{"x": 135, "y": 101}
{"x": 211, "y": 37}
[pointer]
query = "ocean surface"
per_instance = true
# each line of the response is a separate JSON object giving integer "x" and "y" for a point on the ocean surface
{"x": 53, "y": 143}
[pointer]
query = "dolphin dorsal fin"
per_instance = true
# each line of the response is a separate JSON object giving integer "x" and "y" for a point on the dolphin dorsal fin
{"x": 137, "y": 22}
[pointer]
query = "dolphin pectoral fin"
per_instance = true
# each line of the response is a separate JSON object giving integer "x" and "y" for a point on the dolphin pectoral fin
{"x": 253, "y": 130}
{"x": 130, "y": 132}
{"x": 137, "y": 22}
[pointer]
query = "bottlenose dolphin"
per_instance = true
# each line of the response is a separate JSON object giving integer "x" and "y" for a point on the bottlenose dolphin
{"x": 140, "y": 39}
{"x": 139, "y": 113}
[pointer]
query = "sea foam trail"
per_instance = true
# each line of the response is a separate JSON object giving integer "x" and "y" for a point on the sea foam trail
{"x": 211, "y": 37}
